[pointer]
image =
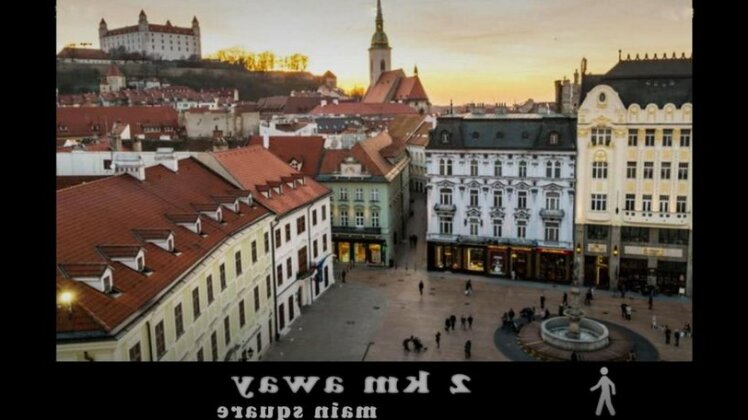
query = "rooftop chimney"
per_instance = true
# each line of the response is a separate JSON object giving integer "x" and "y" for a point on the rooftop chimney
{"x": 166, "y": 157}
{"x": 130, "y": 164}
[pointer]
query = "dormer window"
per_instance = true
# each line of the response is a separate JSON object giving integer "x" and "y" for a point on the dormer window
{"x": 170, "y": 245}
{"x": 445, "y": 136}
{"x": 133, "y": 256}
{"x": 553, "y": 138}
{"x": 96, "y": 275}
{"x": 162, "y": 238}
{"x": 211, "y": 210}
{"x": 140, "y": 263}
{"x": 190, "y": 221}
{"x": 107, "y": 283}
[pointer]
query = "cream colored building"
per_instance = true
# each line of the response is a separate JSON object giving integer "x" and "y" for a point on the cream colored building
{"x": 635, "y": 176}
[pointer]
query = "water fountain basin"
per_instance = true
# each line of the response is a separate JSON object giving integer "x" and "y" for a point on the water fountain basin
{"x": 592, "y": 334}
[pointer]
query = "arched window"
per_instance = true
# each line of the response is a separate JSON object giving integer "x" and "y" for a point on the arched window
{"x": 473, "y": 168}
{"x": 523, "y": 169}
{"x": 497, "y": 168}
{"x": 381, "y": 65}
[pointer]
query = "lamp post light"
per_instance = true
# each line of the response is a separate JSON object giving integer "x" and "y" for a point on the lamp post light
{"x": 66, "y": 299}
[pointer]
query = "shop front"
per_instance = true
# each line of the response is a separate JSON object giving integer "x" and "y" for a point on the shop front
{"x": 366, "y": 251}
{"x": 491, "y": 260}
{"x": 464, "y": 258}
{"x": 671, "y": 277}
{"x": 596, "y": 272}
{"x": 634, "y": 274}
{"x": 498, "y": 261}
{"x": 555, "y": 265}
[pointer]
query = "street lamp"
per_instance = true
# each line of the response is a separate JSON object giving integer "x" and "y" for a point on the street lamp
{"x": 615, "y": 250}
{"x": 66, "y": 298}
{"x": 579, "y": 248}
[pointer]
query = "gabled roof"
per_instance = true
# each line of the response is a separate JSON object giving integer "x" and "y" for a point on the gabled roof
{"x": 367, "y": 152}
{"x": 410, "y": 89}
{"x": 305, "y": 149}
{"x": 383, "y": 90}
{"x": 81, "y": 121}
{"x": 122, "y": 210}
{"x": 252, "y": 167}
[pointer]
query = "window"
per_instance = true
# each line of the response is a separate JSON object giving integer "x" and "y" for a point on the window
{"x": 523, "y": 169}
{"x": 630, "y": 202}
{"x": 549, "y": 169}
{"x": 649, "y": 170}
{"x": 445, "y": 167}
{"x": 647, "y": 202}
{"x": 178, "y": 320}
{"x": 324, "y": 240}
{"x": 474, "y": 227}
{"x": 667, "y": 138}
{"x": 551, "y": 231}
{"x": 633, "y": 137}
{"x": 227, "y": 330}
{"x": 445, "y": 196}
{"x": 674, "y": 236}
{"x": 107, "y": 164}
{"x": 597, "y": 232}
{"x": 557, "y": 170}
{"x": 683, "y": 170}
{"x": 445, "y": 225}
{"x": 374, "y": 195}
{"x": 497, "y": 168}
{"x": 238, "y": 262}
{"x": 374, "y": 218}
{"x": 552, "y": 201}
{"x": 600, "y": 170}
{"x": 630, "y": 170}
{"x": 160, "y": 340}
{"x": 649, "y": 138}
{"x": 301, "y": 225}
{"x": 474, "y": 198}
{"x": 291, "y": 308}
{"x": 359, "y": 194}
{"x": 664, "y": 204}
{"x": 209, "y": 285}
{"x": 473, "y": 168}
{"x": 685, "y": 138}
{"x": 634, "y": 234}
{"x": 242, "y": 313}
{"x": 266, "y": 239}
{"x": 665, "y": 170}
{"x": 315, "y": 249}
{"x": 680, "y": 204}
{"x": 254, "y": 252}
{"x": 553, "y": 138}
{"x": 599, "y": 202}
{"x": 521, "y": 199}
{"x": 344, "y": 217}
{"x": 289, "y": 267}
{"x": 521, "y": 229}
{"x": 303, "y": 264}
{"x": 498, "y": 199}
{"x": 497, "y": 227}
{"x": 214, "y": 346}
{"x": 344, "y": 194}
{"x": 196, "y": 303}
{"x": 135, "y": 354}
{"x": 277, "y": 238}
{"x": 359, "y": 218}
{"x": 279, "y": 274}
{"x": 288, "y": 232}
{"x": 601, "y": 136}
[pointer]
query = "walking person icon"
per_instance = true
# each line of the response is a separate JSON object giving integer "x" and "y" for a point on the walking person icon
{"x": 607, "y": 389}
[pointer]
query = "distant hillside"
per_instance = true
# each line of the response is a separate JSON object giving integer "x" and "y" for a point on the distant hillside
{"x": 80, "y": 78}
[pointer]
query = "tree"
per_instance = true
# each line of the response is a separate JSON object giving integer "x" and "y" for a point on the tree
{"x": 356, "y": 92}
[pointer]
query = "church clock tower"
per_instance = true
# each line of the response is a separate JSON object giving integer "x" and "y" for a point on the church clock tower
{"x": 380, "y": 52}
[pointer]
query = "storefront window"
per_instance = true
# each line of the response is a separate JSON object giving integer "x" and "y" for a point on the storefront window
{"x": 476, "y": 258}
{"x": 376, "y": 253}
{"x": 497, "y": 262}
{"x": 439, "y": 256}
{"x": 359, "y": 252}
{"x": 344, "y": 251}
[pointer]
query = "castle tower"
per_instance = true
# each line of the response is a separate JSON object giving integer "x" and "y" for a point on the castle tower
{"x": 142, "y": 22}
{"x": 380, "y": 53}
{"x": 102, "y": 29}
{"x": 196, "y": 31}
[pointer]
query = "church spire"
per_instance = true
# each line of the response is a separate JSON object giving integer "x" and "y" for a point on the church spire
{"x": 380, "y": 19}
{"x": 379, "y": 40}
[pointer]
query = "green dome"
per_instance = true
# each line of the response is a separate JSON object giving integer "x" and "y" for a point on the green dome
{"x": 379, "y": 40}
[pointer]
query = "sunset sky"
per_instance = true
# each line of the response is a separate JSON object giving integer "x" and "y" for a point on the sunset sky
{"x": 466, "y": 50}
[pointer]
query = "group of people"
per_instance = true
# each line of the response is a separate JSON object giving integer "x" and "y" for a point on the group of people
{"x": 677, "y": 334}
{"x": 451, "y": 321}
{"x": 417, "y": 344}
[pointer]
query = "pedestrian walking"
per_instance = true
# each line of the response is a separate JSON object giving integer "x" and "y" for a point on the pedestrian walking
{"x": 668, "y": 332}
{"x": 420, "y": 287}
{"x": 623, "y": 310}
{"x": 453, "y": 321}
{"x": 566, "y": 299}
{"x": 542, "y": 301}
{"x": 462, "y": 321}
{"x": 677, "y": 338}
{"x": 628, "y": 312}
{"x": 470, "y": 322}
{"x": 438, "y": 339}
{"x": 650, "y": 301}
{"x": 511, "y": 314}
{"x": 654, "y": 322}
{"x": 468, "y": 347}
{"x": 561, "y": 310}
{"x": 468, "y": 287}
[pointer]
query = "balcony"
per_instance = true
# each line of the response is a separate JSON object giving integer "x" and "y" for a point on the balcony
{"x": 552, "y": 214}
{"x": 358, "y": 230}
{"x": 445, "y": 208}
{"x": 666, "y": 218}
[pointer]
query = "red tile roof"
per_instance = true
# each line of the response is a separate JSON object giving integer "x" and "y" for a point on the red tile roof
{"x": 305, "y": 149}
{"x": 80, "y": 122}
{"x": 382, "y": 91}
{"x": 118, "y": 210}
{"x": 411, "y": 89}
{"x": 367, "y": 109}
{"x": 69, "y": 181}
{"x": 421, "y": 136}
{"x": 252, "y": 167}
{"x": 367, "y": 152}
{"x": 113, "y": 71}
{"x": 119, "y": 251}
{"x": 82, "y": 54}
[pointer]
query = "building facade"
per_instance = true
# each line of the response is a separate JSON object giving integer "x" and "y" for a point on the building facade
{"x": 173, "y": 270}
{"x": 158, "y": 42}
{"x": 500, "y": 195}
{"x": 635, "y": 176}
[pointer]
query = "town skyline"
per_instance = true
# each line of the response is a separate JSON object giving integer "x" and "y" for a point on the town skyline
{"x": 472, "y": 51}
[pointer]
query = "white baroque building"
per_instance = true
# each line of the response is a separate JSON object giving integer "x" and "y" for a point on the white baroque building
{"x": 161, "y": 42}
{"x": 635, "y": 175}
{"x": 500, "y": 195}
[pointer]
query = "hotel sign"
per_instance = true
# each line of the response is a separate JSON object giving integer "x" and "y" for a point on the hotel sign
{"x": 654, "y": 252}
{"x": 597, "y": 248}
